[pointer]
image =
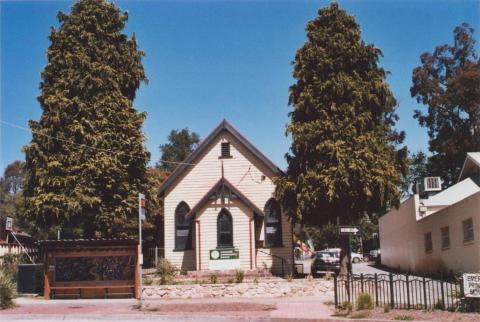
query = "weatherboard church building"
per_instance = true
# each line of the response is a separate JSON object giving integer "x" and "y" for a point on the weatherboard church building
{"x": 220, "y": 212}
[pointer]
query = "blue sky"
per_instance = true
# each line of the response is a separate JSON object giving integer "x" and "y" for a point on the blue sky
{"x": 209, "y": 60}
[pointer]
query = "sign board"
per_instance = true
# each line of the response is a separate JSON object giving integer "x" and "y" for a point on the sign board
{"x": 9, "y": 224}
{"x": 349, "y": 230}
{"x": 142, "y": 205}
{"x": 471, "y": 285}
{"x": 221, "y": 254}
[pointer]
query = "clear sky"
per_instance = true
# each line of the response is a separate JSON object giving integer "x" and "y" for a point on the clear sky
{"x": 209, "y": 60}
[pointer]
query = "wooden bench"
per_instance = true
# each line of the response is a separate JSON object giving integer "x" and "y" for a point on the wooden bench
{"x": 106, "y": 288}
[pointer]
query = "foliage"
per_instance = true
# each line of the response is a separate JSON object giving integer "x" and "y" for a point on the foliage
{"x": 343, "y": 160}
{"x": 404, "y": 317}
{"x": 289, "y": 277}
{"x": 386, "y": 308}
{"x": 448, "y": 83}
{"x": 9, "y": 264}
{"x": 417, "y": 169}
{"x": 325, "y": 236}
{"x": 7, "y": 290}
{"x": 86, "y": 162}
{"x": 239, "y": 276}
{"x": 165, "y": 268}
{"x": 147, "y": 281}
{"x": 213, "y": 278}
{"x": 153, "y": 225}
{"x": 180, "y": 144}
{"x": 347, "y": 306}
{"x": 11, "y": 197}
{"x": 364, "y": 302}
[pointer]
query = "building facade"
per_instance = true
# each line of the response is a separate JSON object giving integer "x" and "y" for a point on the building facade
{"x": 220, "y": 213}
{"x": 437, "y": 234}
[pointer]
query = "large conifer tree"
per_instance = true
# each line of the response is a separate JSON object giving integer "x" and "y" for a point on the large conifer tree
{"x": 343, "y": 160}
{"x": 86, "y": 162}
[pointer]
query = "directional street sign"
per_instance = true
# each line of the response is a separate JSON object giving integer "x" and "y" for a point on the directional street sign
{"x": 349, "y": 230}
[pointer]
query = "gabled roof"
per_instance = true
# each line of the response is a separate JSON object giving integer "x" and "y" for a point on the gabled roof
{"x": 222, "y": 189}
{"x": 453, "y": 194}
{"x": 471, "y": 161}
{"x": 223, "y": 126}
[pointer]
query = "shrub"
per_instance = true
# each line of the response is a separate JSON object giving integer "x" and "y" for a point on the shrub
{"x": 404, "y": 318}
{"x": 165, "y": 280}
{"x": 386, "y": 308}
{"x": 364, "y": 302}
{"x": 230, "y": 280}
{"x": 347, "y": 306}
{"x": 289, "y": 277}
{"x": 7, "y": 291}
{"x": 164, "y": 268}
{"x": 213, "y": 279}
{"x": 147, "y": 281}
{"x": 239, "y": 275}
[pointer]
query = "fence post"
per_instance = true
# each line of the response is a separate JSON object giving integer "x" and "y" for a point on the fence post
{"x": 392, "y": 297}
{"x": 424, "y": 292}
{"x": 361, "y": 282}
{"x": 462, "y": 294}
{"x": 348, "y": 287}
{"x": 442, "y": 292}
{"x": 376, "y": 289}
{"x": 335, "y": 291}
{"x": 408, "y": 292}
{"x": 156, "y": 255}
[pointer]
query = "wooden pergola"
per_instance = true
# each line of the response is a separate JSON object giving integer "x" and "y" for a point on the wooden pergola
{"x": 90, "y": 268}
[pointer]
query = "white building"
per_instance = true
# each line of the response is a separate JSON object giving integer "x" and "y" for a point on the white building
{"x": 439, "y": 233}
{"x": 219, "y": 208}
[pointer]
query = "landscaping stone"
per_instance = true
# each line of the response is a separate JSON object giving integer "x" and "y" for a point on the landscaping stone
{"x": 278, "y": 288}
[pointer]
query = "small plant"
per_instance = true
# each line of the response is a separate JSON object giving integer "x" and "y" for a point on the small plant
{"x": 213, "y": 278}
{"x": 386, "y": 308}
{"x": 328, "y": 276}
{"x": 230, "y": 280}
{"x": 404, "y": 317}
{"x": 348, "y": 306}
{"x": 164, "y": 267}
{"x": 7, "y": 291}
{"x": 309, "y": 278}
{"x": 364, "y": 302}
{"x": 439, "y": 305}
{"x": 289, "y": 277}
{"x": 239, "y": 276}
{"x": 166, "y": 280}
{"x": 147, "y": 281}
{"x": 255, "y": 280}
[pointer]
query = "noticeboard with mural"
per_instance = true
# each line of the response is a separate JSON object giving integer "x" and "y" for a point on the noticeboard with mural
{"x": 94, "y": 268}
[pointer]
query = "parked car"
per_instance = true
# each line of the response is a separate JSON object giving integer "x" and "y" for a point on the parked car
{"x": 326, "y": 262}
{"x": 356, "y": 257}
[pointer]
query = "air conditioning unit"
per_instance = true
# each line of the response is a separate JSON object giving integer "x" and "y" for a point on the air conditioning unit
{"x": 429, "y": 185}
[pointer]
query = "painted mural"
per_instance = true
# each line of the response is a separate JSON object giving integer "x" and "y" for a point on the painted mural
{"x": 98, "y": 268}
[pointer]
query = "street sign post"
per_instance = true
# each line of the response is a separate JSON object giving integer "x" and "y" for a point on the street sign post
{"x": 349, "y": 230}
{"x": 141, "y": 216}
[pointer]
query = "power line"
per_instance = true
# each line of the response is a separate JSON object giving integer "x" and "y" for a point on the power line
{"x": 85, "y": 145}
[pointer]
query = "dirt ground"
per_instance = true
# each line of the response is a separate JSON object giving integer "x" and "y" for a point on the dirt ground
{"x": 412, "y": 315}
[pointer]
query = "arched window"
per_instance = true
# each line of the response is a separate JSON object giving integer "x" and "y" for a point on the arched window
{"x": 183, "y": 227}
{"x": 273, "y": 224}
{"x": 224, "y": 229}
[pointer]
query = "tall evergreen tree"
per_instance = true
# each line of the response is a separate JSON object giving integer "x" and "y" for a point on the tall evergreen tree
{"x": 343, "y": 160}
{"x": 86, "y": 162}
{"x": 448, "y": 82}
{"x": 180, "y": 144}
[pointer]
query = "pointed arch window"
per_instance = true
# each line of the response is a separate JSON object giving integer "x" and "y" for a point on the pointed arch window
{"x": 273, "y": 224}
{"x": 183, "y": 227}
{"x": 224, "y": 229}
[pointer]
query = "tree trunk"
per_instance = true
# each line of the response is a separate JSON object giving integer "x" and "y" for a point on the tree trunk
{"x": 345, "y": 255}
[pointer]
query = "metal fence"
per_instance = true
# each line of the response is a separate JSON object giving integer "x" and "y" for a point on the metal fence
{"x": 151, "y": 255}
{"x": 402, "y": 291}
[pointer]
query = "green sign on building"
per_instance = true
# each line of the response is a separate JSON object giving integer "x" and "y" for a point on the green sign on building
{"x": 224, "y": 253}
